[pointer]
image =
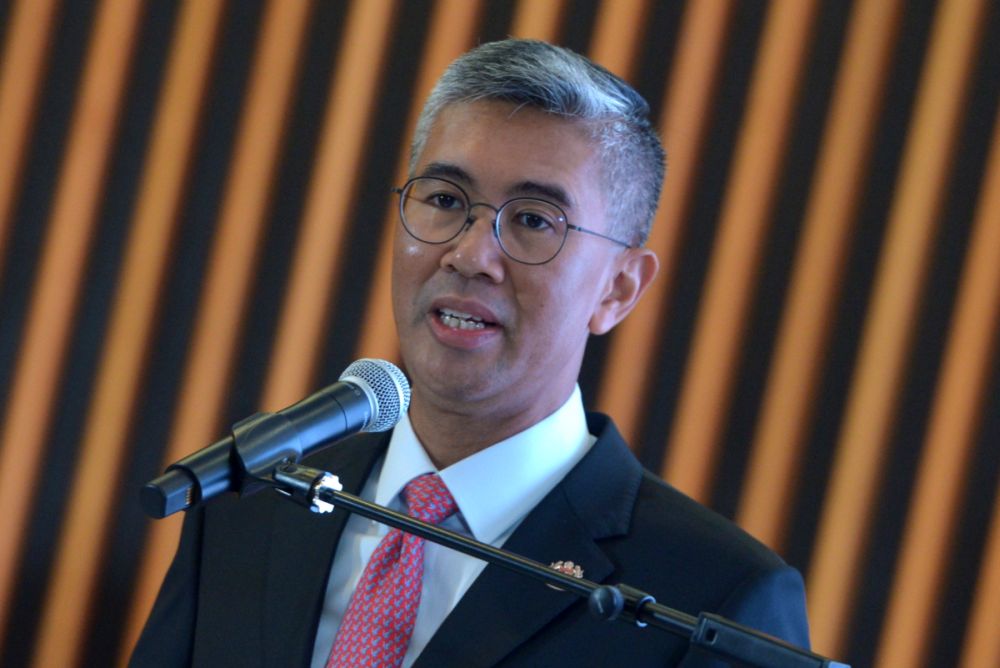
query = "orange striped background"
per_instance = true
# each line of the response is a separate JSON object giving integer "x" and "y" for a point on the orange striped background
{"x": 194, "y": 207}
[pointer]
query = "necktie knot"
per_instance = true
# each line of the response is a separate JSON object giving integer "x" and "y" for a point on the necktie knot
{"x": 428, "y": 499}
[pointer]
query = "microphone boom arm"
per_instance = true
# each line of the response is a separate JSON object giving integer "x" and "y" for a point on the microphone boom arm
{"x": 737, "y": 644}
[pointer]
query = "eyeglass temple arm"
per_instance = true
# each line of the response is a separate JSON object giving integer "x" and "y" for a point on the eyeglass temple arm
{"x": 598, "y": 234}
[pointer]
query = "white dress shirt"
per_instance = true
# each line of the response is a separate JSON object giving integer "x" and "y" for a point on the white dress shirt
{"x": 494, "y": 490}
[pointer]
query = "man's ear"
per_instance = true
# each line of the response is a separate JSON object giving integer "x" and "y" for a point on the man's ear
{"x": 636, "y": 269}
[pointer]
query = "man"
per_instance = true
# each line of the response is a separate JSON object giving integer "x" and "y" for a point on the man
{"x": 534, "y": 177}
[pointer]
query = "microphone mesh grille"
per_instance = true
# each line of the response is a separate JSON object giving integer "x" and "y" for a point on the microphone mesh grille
{"x": 388, "y": 386}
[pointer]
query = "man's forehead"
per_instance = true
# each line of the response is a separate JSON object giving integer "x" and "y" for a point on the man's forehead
{"x": 548, "y": 147}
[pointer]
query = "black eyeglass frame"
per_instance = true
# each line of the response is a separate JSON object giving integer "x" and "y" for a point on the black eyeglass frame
{"x": 469, "y": 219}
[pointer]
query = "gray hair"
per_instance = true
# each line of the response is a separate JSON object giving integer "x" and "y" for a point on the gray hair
{"x": 562, "y": 82}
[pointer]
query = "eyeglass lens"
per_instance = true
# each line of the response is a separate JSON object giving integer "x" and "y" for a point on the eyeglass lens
{"x": 436, "y": 211}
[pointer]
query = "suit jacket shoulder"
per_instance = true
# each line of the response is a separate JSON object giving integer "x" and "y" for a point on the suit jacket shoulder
{"x": 622, "y": 525}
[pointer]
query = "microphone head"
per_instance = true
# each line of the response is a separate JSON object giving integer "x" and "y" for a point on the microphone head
{"x": 386, "y": 387}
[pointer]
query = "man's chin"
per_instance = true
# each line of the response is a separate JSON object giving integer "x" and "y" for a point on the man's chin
{"x": 458, "y": 384}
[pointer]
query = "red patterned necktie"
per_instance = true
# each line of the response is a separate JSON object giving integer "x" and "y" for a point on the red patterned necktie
{"x": 377, "y": 626}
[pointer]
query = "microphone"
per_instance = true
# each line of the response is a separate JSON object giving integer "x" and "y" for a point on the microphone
{"x": 371, "y": 395}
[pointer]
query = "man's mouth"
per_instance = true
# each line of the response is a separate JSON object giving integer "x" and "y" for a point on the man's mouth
{"x": 460, "y": 320}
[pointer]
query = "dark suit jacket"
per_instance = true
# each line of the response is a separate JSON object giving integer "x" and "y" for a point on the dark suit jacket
{"x": 247, "y": 584}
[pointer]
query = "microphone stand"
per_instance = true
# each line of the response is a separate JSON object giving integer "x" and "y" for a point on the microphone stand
{"x": 739, "y": 645}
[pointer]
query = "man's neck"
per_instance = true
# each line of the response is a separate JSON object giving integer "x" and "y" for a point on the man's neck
{"x": 451, "y": 434}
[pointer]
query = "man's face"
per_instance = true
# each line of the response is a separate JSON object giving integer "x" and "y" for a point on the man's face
{"x": 523, "y": 360}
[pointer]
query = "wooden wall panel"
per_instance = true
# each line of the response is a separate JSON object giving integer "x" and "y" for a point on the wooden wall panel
{"x": 104, "y": 440}
{"x": 815, "y": 281}
{"x": 947, "y": 452}
{"x": 538, "y": 20}
{"x": 27, "y": 42}
{"x": 627, "y": 17}
{"x": 56, "y": 291}
{"x": 682, "y": 125}
{"x": 247, "y": 261}
{"x": 332, "y": 190}
{"x": 889, "y": 330}
{"x": 693, "y": 444}
{"x": 982, "y": 644}
{"x": 235, "y": 248}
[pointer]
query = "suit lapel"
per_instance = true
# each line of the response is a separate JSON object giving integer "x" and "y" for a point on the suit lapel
{"x": 301, "y": 550}
{"x": 503, "y": 609}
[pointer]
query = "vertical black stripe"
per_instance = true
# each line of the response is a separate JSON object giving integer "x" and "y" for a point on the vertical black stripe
{"x": 933, "y": 328}
{"x": 818, "y": 75}
{"x": 652, "y": 71}
{"x": 159, "y": 393}
{"x": 378, "y": 167}
{"x": 578, "y": 24}
{"x": 6, "y": 11}
{"x": 142, "y": 91}
{"x": 31, "y": 206}
{"x": 965, "y": 563}
{"x": 90, "y": 322}
{"x": 324, "y": 35}
{"x": 496, "y": 20}
{"x": 699, "y": 229}
{"x": 31, "y": 211}
{"x": 982, "y": 482}
{"x": 657, "y": 52}
{"x": 876, "y": 199}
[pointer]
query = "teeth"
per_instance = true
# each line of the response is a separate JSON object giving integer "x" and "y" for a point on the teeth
{"x": 459, "y": 320}
{"x": 460, "y": 314}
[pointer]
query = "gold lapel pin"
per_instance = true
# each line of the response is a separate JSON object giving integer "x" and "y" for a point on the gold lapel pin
{"x": 566, "y": 568}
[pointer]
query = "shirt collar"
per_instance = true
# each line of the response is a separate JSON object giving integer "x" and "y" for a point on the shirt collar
{"x": 496, "y": 487}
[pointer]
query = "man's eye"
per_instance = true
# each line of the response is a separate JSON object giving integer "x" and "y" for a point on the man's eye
{"x": 533, "y": 221}
{"x": 445, "y": 201}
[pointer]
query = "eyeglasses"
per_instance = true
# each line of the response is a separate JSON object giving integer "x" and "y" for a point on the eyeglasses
{"x": 529, "y": 230}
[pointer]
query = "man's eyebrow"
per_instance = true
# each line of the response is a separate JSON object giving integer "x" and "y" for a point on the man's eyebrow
{"x": 449, "y": 171}
{"x": 549, "y": 191}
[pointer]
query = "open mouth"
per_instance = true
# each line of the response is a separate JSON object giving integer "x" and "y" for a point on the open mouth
{"x": 460, "y": 320}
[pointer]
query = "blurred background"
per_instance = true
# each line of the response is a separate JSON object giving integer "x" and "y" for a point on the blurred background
{"x": 194, "y": 219}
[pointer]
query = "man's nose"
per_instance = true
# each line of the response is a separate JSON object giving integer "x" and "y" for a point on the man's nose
{"x": 487, "y": 219}
{"x": 476, "y": 250}
{"x": 488, "y": 216}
